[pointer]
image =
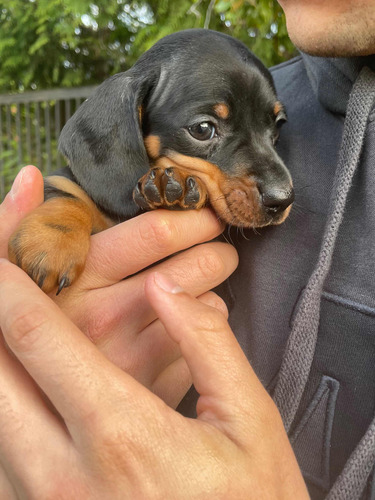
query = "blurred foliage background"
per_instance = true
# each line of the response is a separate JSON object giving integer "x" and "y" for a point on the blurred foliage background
{"x": 66, "y": 43}
{"x": 71, "y": 44}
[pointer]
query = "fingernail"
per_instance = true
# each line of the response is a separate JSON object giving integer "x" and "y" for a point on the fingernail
{"x": 17, "y": 183}
{"x": 166, "y": 284}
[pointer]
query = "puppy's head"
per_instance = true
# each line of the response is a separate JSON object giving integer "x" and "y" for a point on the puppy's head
{"x": 200, "y": 99}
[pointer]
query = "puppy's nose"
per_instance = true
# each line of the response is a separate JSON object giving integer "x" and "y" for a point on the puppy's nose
{"x": 277, "y": 200}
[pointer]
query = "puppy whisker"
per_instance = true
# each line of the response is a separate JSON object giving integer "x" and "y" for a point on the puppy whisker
{"x": 229, "y": 235}
{"x": 242, "y": 231}
{"x": 299, "y": 209}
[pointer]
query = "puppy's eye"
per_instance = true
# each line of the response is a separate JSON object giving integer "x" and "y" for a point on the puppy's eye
{"x": 203, "y": 131}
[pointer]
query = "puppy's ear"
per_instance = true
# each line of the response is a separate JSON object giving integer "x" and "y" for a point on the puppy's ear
{"x": 103, "y": 142}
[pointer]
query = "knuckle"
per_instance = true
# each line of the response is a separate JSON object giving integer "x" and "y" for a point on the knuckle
{"x": 113, "y": 446}
{"x": 99, "y": 323}
{"x": 158, "y": 232}
{"x": 213, "y": 300}
{"x": 211, "y": 321}
{"x": 23, "y": 330}
{"x": 111, "y": 439}
{"x": 210, "y": 264}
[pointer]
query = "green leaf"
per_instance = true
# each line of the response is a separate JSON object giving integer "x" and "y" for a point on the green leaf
{"x": 39, "y": 43}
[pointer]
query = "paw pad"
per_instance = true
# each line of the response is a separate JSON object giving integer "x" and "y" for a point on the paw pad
{"x": 169, "y": 188}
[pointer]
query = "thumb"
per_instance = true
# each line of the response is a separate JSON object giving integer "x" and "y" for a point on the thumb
{"x": 228, "y": 387}
{"x": 25, "y": 195}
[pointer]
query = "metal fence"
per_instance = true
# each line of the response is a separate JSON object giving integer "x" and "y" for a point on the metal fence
{"x": 30, "y": 124}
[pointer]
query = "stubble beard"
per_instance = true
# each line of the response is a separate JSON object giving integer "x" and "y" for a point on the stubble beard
{"x": 347, "y": 34}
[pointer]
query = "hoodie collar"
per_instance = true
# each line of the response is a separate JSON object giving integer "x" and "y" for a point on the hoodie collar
{"x": 332, "y": 78}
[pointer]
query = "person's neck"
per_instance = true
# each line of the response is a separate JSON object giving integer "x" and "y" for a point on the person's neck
{"x": 332, "y": 78}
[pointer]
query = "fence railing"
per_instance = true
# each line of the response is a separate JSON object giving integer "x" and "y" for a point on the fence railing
{"x": 30, "y": 125}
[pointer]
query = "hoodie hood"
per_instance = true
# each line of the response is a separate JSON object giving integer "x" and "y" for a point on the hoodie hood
{"x": 332, "y": 78}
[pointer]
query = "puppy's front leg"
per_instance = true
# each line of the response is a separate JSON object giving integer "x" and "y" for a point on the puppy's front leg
{"x": 51, "y": 243}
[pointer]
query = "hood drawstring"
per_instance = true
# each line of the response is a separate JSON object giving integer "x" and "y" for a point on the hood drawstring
{"x": 300, "y": 349}
{"x": 352, "y": 481}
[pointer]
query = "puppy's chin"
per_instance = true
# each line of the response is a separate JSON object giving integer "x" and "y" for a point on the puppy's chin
{"x": 243, "y": 208}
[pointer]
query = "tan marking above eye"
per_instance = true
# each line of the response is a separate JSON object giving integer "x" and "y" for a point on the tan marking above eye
{"x": 152, "y": 145}
{"x": 221, "y": 110}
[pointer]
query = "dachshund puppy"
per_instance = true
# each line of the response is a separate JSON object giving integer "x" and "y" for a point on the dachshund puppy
{"x": 193, "y": 122}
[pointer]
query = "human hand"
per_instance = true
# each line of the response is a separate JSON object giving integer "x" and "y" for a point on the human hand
{"x": 25, "y": 195}
{"x": 116, "y": 439}
{"x": 113, "y": 312}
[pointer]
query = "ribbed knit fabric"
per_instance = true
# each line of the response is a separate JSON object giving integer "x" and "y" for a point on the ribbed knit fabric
{"x": 300, "y": 348}
{"x": 352, "y": 480}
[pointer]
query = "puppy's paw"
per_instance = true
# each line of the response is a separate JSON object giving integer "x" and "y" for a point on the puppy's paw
{"x": 169, "y": 188}
{"x": 50, "y": 251}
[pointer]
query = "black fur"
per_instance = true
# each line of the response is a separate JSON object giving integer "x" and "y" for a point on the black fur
{"x": 176, "y": 82}
{"x": 51, "y": 191}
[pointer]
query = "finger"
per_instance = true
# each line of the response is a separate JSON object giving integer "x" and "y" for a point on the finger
{"x": 147, "y": 353}
{"x": 25, "y": 195}
{"x": 63, "y": 362}
{"x": 168, "y": 353}
{"x": 139, "y": 242}
{"x": 7, "y": 491}
{"x": 173, "y": 382}
{"x": 26, "y": 425}
{"x": 211, "y": 299}
{"x": 220, "y": 371}
{"x": 198, "y": 269}
{"x": 122, "y": 323}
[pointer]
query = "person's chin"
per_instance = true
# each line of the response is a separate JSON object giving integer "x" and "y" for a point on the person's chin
{"x": 330, "y": 31}
{"x": 327, "y": 46}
